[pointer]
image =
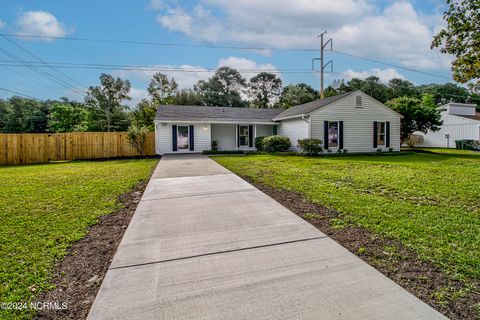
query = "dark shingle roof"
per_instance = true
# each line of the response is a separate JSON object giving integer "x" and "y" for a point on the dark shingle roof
{"x": 475, "y": 117}
{"x": 309, "y": 106}
{"x": 202, "y": 113}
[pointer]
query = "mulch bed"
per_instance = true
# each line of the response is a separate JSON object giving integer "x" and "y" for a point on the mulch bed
{"x": 79, "y": 275}
{"x": 388, "y": 256}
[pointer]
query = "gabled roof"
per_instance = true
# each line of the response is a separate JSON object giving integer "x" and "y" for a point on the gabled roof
{"x": 308, "y": 107}
{"x": 212, "y": 114}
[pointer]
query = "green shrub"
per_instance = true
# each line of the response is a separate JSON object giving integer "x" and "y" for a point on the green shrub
{"x": 259, "y": 143}
{"x": 214, "y": 145}
{"x": 276, "y": 144}
{"x": 311, "y": 147}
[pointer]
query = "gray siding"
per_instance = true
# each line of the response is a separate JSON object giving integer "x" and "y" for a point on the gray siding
{"x": 294, "y": 129}
{"x": 264, "y": 130}
{"x": 226, "y": 135}
{"x": 163, "y": 137}
{"x": 357, "y": 122}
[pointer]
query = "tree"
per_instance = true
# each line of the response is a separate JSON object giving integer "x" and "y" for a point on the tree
{"x": 461, "y": 38}
{"x": 162, "y": 90}
{"x": 23, "y": 115}
{"x": 138, "y": 136}
{"x": 418, "y": 115}
{"x": 106, "y": 100}
{"x": 66, "y": 117}
{"x": 296, "y": 94}
{"x": 444, "y": 93}
{"x": 371, "y": 86}
{"x": 402, "y": 88}
{"x": 264, "y": 90}
{"x": 188, "y": 97}
{"x": 144, "y": 114}
{"x": 223, "y": 89}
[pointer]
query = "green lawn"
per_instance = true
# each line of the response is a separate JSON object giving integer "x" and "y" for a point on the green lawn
{"x": 430, "y": 202}
{"x": 45, "y": 208}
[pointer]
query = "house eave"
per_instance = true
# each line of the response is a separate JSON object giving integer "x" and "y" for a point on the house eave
{"x": 216, "y": 121}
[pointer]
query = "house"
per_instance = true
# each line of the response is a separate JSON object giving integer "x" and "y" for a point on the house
{"x": 353, "y": 121}
{"x": 460, "y": 121}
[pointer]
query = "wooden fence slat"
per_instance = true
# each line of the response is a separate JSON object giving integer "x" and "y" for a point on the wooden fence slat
{"x": 45, "y": 147}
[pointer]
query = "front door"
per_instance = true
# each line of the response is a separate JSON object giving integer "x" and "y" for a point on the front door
{"x": 182, "y": 138}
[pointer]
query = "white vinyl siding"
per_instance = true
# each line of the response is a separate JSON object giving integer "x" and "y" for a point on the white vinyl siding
{"x": 458, "y": 127}
{"x": 163, "y": 137}
{"x": 294, "y": 129}
{"x": 357, "y": 122}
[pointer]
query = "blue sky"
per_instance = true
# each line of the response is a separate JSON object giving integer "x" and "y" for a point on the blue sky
{"x": 397, "y": 32}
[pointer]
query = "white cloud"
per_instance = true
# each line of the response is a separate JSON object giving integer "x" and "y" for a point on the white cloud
{"x": 383, "y": 74}
{"x": 396, "y": 33}
{"x": 41, "y": 23}
{"x": 2, "y": 24}
{"x": 244, "y": 65}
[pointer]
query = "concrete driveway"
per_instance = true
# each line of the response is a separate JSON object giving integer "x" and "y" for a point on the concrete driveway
{"x": 205, "y": 244}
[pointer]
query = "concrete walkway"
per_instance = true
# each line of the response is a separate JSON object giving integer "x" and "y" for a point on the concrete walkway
{"x": 205, "y": 244}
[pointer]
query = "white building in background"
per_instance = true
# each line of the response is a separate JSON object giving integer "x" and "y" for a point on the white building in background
{"x": 460, "y": 121}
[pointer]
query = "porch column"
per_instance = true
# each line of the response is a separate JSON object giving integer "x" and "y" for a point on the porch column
{"x": 236, "y": 135}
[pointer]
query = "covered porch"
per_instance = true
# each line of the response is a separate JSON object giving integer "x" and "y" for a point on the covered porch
{"x": 240, "y": 136}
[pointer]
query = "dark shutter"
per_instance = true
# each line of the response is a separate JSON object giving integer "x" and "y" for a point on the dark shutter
{"x": 238, "y": 136}
{"x": 174, "y": 137}
{"x": 340, "y": 135}
{"x": 191, "y": 138}
{"x": 375, "y": 134}
{"x": 275, "y": 130}
{"x": 387, "y": 134}
{"x": 325, "y": 134}
{"x": 250, "y": 136}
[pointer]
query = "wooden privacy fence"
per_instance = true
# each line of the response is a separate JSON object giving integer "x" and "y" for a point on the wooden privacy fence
{"x": 44, "y": 147}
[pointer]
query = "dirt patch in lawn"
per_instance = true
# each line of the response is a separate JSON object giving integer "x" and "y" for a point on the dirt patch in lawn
{"x": 451, "y": 297}
{"x": 78, "y": 276}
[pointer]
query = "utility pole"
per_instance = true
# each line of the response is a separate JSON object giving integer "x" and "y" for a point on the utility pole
{"x": 323, "y": 65}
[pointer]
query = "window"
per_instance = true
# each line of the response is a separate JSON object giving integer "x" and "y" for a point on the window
{"x": 358, "y": 101}
{"x": 380, "y": 134}
{"x": 332, "y": 134}
{"x": 243, "y": 133}
{"x": 182, "y": 137}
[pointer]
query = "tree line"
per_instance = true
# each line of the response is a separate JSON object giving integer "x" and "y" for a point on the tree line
{"x": 104, "y": 107}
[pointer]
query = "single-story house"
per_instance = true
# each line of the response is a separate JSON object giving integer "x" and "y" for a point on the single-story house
{"x": 353, "y": 121}
{"x": 460, "y": 121}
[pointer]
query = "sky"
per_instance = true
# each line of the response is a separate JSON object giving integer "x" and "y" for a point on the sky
{"x": 81, "y": 39}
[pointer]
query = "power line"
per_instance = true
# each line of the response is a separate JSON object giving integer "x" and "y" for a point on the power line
{"x": 41, "y": 60}
{"x": 211, "y": 46}
{"x": 41, "y": 72}
{"x": 147, "y": 68}
{"x": 18, "y": 93}
{"x": 154, "y": 43}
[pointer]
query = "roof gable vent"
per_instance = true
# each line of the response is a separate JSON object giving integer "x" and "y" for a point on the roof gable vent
{"x": 358, "y": 102}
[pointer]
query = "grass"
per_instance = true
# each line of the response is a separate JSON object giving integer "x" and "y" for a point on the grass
{"x": 45, "y": 208}
{"x": 428, "y": 201}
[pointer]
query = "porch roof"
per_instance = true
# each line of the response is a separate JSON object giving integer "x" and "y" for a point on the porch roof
{"x": 215, "y": 114}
